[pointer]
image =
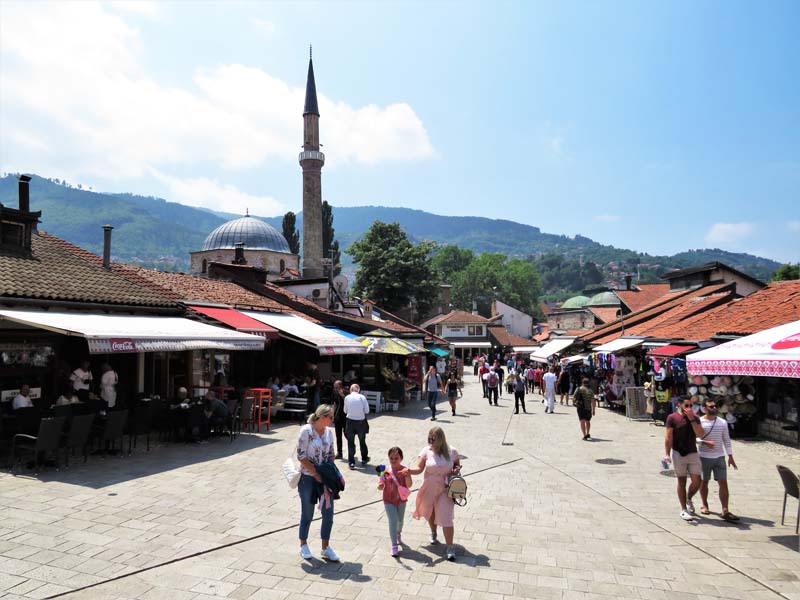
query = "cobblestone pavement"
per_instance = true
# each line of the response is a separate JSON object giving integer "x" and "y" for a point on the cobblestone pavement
{"x": 544, "y": 520}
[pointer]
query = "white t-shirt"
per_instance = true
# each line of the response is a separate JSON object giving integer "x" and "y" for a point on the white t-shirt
{"x": 21, "y": 401}
{"x": 549, "y": 381}
{"x": 356, "y": 406}
{"x": 441, "y": 366}
{"x": 108, "y": 390}
{"x": 78, "y": 377}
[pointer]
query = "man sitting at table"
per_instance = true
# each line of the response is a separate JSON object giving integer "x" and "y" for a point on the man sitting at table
{"x": 290, "y": 387}
{"x": 68, "y": 396}
{"x": 216, "y": 412}
{"x": 23, "y": 399}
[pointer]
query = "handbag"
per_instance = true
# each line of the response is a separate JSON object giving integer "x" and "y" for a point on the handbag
{"x": 290, "y": 472}
{"x": 402, "y": 490}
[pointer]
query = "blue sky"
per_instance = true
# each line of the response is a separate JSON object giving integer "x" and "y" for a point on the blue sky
{"x": 657, "y": 127}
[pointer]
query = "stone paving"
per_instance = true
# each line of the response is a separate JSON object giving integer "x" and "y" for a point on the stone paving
{"x": 544, "y": 520}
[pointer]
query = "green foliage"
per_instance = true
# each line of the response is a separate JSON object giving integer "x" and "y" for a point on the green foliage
{"x": 392, "y": 271}
{"x": 450, "y": 260}
{"x": 488, "y": 276}
{"x": 787, "y": 272}
{"x": 289, "y": 231}
{"x": 330, "y": 247}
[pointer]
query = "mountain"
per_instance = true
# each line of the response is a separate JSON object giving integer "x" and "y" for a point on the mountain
{"x": 154, "y": 232}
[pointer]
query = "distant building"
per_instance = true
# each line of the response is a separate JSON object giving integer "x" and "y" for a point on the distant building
{"x": 467, "y": 333}
{"x": 515, "y": 321}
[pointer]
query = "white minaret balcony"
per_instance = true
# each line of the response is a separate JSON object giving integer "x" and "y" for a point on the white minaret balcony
{"x": 311, "y": 155}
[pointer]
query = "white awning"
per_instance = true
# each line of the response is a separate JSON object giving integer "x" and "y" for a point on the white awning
{"x": 569, "y": 360}
{"x": 108, "y": 334}
{"x": 471, "y": 344}
{"x": 619, "y": 344}
{"x": 526, "y": 349}
{"x": 552, "y": 347}
{"x": 300, "y": 330}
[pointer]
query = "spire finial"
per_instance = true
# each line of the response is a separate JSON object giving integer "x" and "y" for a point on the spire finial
{"x": 246, "y": 212}
{"x": 310, "y": 52}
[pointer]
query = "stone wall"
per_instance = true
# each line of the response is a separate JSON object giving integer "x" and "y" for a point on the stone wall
{"x": 773, "y": 430}
{"x": 264, "y": 259}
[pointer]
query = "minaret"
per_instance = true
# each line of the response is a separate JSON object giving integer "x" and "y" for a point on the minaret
{"x": 311, "y": 160}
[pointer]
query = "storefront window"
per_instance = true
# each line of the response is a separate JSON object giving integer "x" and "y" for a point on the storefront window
{"x": 783, "y": 398}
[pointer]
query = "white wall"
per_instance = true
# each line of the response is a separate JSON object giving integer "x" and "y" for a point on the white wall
{"x": 515, "y": 321}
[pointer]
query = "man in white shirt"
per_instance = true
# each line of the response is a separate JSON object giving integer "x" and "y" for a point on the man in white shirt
{"x": 441, "y": 366}
{"x": 356, "y": 409}
{"x": 549, "y": 380}
{"x": 81, "y": 379}
{"x": 22, "y": 400}
{"x": 712, "y": 458}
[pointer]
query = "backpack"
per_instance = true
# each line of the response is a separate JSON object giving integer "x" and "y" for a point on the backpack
{"x": 493, "y": 379}
{"x": 457, "y": 489}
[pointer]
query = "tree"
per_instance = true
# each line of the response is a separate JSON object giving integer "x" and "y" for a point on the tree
{"x": 450, "y": 260}
{"x": 290, "y": 232}
{"x": 392, "y": 271}
{"x": 330, "y": 247}
{"x": 591, "y": 274}
{"x": 787, "y": 272}
{"x": 490, "y": 276}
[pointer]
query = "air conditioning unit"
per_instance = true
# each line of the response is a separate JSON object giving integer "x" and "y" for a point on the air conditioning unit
{"x": 316, "y": 293}
{"x": 338, "y": 307}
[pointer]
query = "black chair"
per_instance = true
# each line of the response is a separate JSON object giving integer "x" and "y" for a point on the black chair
{"x": 139, "y": 424}
{"x": 78, "y": 436}
{"x": 64, "y": 410}
{"x": 791, "y": 487}
{"x": 246, "y": 413}
{"x": 114, "y": 429}
{"x": 196, "y": 419}
{"x": 234, "y": 418}
{"x": 47, "y": 440}
{"x": 26, "y": 420}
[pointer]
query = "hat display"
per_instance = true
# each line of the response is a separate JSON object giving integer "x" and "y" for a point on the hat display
{"x": 733, "y": 395}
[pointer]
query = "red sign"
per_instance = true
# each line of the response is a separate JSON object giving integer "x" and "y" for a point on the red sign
{"x": 793, "y": 341}
{"x": 415, "y": 368}
{"x": 122, "y": 345}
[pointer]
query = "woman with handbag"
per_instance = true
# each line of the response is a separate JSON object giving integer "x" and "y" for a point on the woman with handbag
{"x": 395, "y": 483}
{"x": 315, "y": 447}
{"x": 438, "y": 461}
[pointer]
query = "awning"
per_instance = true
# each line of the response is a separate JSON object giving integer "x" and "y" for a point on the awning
{"x": 526, "y": 349}
{"x": 305, "y": 332}
{"x": 379, "y": 344}
{"x": 471, "y": 344}
{"x": 553, "y": 347}
{"x": 619, "y": 344}
{"x": 108, "y": 334}
{"x": 240, "y": 322}
{"x": 773, "y": 352}
{"x": 569, "y": 360}
{"x": 671, "y": 350}
{"x": 347, "y": 334}
{"x": 438, "y": 352}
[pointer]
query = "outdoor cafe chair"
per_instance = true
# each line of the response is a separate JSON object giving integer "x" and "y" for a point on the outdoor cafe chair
{"x": 791, "y": 487}
{"x": 234, "y": 418}
{"x": 114, "y": 429}
{"x": 46, "y": 440}
{"x": 78, "y": 436}
{"x": 246, "y": 419}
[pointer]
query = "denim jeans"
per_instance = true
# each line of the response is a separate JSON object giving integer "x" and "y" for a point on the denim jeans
{"x": 432, "y": 397}
{"x": 492, "y": 394}
{"x": 394, "y": 515}
{"x": 304, "y": 488}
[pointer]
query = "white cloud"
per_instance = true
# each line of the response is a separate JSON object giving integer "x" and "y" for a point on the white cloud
{"x": 208, "y": 193}
{"x": 264, "y": 26}
{"x": 79, "y": 103}
{"x": 607, "y": 218}
{"x": 794, "y": 226}
{"x": 729, "y": 233}
{"x": 144, "y": 8}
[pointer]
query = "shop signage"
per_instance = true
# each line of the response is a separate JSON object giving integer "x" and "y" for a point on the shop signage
{"x": 793, "y": 341}
{"x": 122, "y": 345}
{"x": 414, "y": 368}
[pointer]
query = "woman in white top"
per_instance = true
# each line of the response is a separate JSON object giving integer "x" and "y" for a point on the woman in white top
{"x": 108, "y": 385}
{"x": 314, "y": 447}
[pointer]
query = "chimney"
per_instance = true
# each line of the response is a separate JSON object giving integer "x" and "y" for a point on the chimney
{"x": 628, "y": 279}
{"x": 474, "y": 307}
{"x": 368, "y": 309}
{"x": 446, "y": 298}
{"x": 494, "y": 308}
{"x": 238, "y": 254}
{"x": 106, "y": 245}
{"x": 24, "y": 194}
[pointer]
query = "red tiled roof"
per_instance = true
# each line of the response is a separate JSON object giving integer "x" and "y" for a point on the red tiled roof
{"x": 58, "y": 270}
{"x": 647, "y": 293}
{"x": 503, "y": 338}
{"x": 545, "y": 335}
{"x": 605, "y": 314}
{"x": 455, "y": 316}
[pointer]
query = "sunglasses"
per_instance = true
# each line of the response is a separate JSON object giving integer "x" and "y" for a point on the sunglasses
{"x": 687, "y": 406}
{"x": 431, "y": 440}
{"x": 712, "y": 407}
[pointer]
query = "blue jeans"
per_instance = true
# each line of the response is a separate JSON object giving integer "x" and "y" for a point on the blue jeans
{"x": 432, "y": 397}
{"x": 304, "y": 488}
{"x": 394, "y": 515}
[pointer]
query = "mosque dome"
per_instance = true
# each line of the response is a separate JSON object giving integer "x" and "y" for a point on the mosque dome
{"x": 604, "y": 299}
{"x": 575, "y": 302}
{"x": 256, "y": 235}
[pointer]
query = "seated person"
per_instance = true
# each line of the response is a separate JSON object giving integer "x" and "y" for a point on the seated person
{"x": 216, "y": 412}
{"x": 23, "y": 399}
{"x": 291, "y": 388}
{"x": 68, "y": 396}
{"x": 275, "y": 385}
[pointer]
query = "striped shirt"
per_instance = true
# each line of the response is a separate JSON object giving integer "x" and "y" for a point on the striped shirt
{"x": 716, "y": 430}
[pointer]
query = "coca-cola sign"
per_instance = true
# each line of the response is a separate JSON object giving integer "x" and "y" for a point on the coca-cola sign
{"x": 122, "y": 345}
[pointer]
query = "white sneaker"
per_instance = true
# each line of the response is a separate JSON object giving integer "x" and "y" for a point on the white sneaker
{"x": 686, "y": 516}
{"x": 450, "y": 553}
{"x": 433, "y": 539}
{"x": 690, "y": 507}
{"x": 329, "y": 554}
{"x": 305, "y": 552}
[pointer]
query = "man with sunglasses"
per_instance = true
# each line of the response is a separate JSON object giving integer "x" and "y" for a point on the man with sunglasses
{"x": 712, "y": 458}
{"x": 682, "y": 430}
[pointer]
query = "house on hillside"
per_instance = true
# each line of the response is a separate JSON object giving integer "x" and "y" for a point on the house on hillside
{"x": 710, "y": 274}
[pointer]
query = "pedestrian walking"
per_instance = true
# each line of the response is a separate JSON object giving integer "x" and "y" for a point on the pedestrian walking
{"x": 530, "y": 375}
{"x": 395, "y": 483}
{"x": 452, "y": 390}
{"x": 492, "y": 383}
{"x": 563, "y": 386}
{"x": 356, "y": 409}
{"x": 712, "y": 458}
{"x": 438, "y": 461}
{"x": 549, "y": 382}
{"x": 585, "y": 402}
{"x": 339, "y": 418}
{"x": 315, "y": 449}
{"x": 519, "y": 393}
{"x": 538, "y": 373}
{"x": 483, "y": 373}
{"x": 682, "y": 429}
{"x": 432, "y": 385}
{"x": 501, "y": 376}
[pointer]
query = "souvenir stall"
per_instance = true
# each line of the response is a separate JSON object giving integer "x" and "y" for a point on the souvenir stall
{"x": 617, "y": 365}
{"x": 759, "y": 377}
{"x": 669, "y": 378}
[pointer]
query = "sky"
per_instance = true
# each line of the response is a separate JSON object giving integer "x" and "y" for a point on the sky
{"x": 657, "y": 127}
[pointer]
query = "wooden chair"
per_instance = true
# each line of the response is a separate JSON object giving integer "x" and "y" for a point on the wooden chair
{"x": 791, "y": 487}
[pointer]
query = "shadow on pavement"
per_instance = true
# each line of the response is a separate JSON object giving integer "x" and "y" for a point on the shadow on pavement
{"x": 350, "y": 571}
{"x": 792, "y": 542}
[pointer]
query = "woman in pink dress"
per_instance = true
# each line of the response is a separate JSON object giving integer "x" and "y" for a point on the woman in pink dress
{"x": 438, "y": 461}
